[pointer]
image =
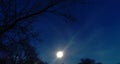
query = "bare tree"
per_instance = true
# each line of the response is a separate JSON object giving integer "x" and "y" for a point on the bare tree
{"x": 16, "y": 18}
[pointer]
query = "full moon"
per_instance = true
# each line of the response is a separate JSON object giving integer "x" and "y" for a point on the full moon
{"x": 59, "y": 54}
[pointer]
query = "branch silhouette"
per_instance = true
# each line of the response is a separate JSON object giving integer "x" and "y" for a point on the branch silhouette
{"x": 2, "y": 31}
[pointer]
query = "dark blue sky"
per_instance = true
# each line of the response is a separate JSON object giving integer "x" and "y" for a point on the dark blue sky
{"x": 95, "y": 34}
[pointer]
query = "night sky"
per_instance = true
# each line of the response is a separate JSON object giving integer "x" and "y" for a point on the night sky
{"x": 94, "y": 34}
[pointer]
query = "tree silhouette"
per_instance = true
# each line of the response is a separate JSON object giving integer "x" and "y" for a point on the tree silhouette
{"x": 16, "y": 18}
{"x": 12, "y": 16}
{"x": 118, "y": 63}
{"x": 88, "y": 61}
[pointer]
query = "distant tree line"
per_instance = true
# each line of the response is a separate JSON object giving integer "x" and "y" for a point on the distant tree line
{"x": 88, "y": 61}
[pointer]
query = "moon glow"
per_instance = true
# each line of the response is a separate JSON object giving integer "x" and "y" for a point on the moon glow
{"x": 59, "y": 54}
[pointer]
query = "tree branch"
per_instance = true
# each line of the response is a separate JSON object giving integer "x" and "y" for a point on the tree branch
{"x": 2, "y": 31}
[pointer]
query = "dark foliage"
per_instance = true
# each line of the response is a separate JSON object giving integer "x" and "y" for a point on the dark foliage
{"x": 16, "y": 18}
{"x": 88, "y": 61}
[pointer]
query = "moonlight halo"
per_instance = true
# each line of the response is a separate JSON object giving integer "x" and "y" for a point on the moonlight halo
{"x": 59, "y": 54}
